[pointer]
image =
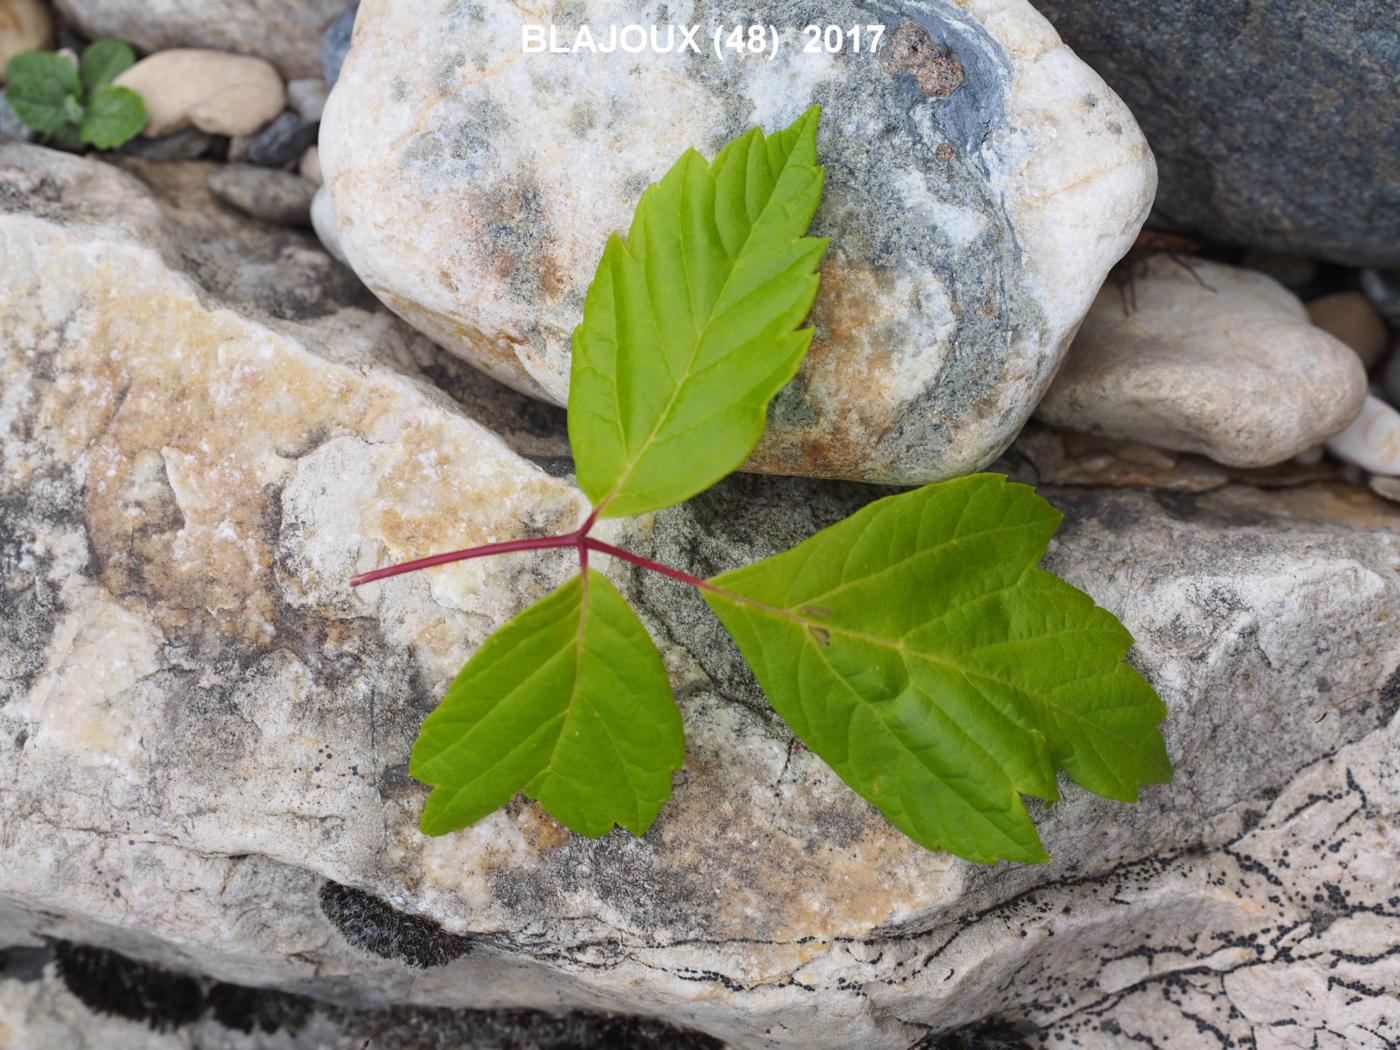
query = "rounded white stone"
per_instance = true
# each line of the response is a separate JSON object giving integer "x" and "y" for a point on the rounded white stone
{"x": 1372, "y": 442}
{"x": 1196, "y": 356}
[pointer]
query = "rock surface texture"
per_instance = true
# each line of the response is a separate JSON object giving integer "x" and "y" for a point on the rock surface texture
{"x": 1273, "y": 122}
{"x": 980, "y": 183}
{"x": 286, "y": 34}
{"x": 204, "y": 732}
{"x": 1201, "y": 357}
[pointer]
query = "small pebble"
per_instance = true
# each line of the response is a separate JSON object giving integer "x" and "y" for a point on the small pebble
{"x": 1383, "y": 289}
{"x": 264, "y": 193}
{"x": 25, "y": 25}
{"x": 217, "y": 92}
{"x": 1387, "y": 487}
{"x": 1350, "y": 317}
{"x": 310, "y": 166}
{"x": 190, "y": 144}
{"x": 323, "y": 220}
{"x": 283, "y": 141}
{"x": 238, "y": 149}
{"x": 1372, "y": 442}
{"x": 11, "y": 127}
{"x": 335, "y": 45}
{"x": 308, "y": 97}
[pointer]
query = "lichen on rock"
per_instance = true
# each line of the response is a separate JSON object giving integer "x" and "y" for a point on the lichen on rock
{"x": 208, "y": 427}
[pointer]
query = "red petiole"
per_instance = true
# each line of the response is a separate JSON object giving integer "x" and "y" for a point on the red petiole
{"x": 579, "y": 539}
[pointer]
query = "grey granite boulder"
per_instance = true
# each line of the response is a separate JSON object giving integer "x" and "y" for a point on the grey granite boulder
{"x": 203, "y": 731}
{"x": 1273, "y": 121}
{"x": 285, "y": 32}
{"x": 980, "y": 181}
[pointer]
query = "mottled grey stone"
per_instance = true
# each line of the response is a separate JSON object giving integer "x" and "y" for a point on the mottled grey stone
{"x": 980, "y": 181}
{"x": 282, "y": 142}
{"x": 1273, "y": 122}
{"x": 287, "y": 34}
{"x": 274, "y": 196}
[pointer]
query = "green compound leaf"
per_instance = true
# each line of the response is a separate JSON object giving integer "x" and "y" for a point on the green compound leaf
{"x": 916, "y": 648}
{"x": 114, "y": 116}
{"x": 691, "y": 327}
{"x": 105, "y": 60}
{"x": 42, "y": 89}
{"x": 568, "y": 702}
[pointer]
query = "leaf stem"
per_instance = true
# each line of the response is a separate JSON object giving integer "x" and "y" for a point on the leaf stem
{"x": 534, "y": 543}
{"x": 579, "y": 539}
{"x": 646, "y": 563}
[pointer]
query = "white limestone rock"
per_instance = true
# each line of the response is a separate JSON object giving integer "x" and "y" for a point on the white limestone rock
{"x": 980, "y": 182}
{"x": 1197, "y": 356}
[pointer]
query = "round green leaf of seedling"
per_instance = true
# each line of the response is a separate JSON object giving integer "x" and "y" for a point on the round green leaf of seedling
{"x": 41, "y": 85}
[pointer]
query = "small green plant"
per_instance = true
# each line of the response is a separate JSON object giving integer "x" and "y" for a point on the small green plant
{"x": 72, "y": 106}
{"x": 915, "y": 646}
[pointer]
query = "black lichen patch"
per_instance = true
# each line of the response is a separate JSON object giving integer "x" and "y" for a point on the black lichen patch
{"x": 373, "y": 926}
{"x": 250, "y": 1010}
{"x": 47, "y": 506}
{"x": 108, "y": 983}
{"x": 991, "y": 1034}
{"x": 420, "y": 1029}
